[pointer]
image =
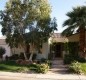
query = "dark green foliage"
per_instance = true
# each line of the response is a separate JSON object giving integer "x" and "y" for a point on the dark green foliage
{"x": 76, "y": 19}
{"x": 2, "y": 51}
{"x": 43, "y": 60}
{"x": 82, "y": 60}
{"x": 72, "y": 49}
{"x": 34, "y": 57}
{"x": 21, "y": 56}
{"x": 22, "y": 69}
{"x": 68, "y": 58}
{"x": 14, "y": 57}
{"x": 42, "y": 68}
{"x": 12, "y": 66}
{"x": 22, "y": 23}
{"x": 77, "y": 67}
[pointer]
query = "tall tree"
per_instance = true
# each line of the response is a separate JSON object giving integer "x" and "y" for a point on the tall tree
{"x": 77, "y": 22}
{"x": 26, "y": 16}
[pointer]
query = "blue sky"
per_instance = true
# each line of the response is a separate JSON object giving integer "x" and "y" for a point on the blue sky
{"x": 59, "y": 9}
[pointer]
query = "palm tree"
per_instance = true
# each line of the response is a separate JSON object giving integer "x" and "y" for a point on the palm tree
{"x": 77, "y": 22}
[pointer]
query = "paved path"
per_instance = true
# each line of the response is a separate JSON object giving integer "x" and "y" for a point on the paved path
{"x": 22, "y": 76}
{"x": 58, "y": 67}
{"x": 57, "y": 72}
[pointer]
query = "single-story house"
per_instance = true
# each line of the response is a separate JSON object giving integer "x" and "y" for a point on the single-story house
{"x": 4, "y": 45}
{"x": 46, "y": 48}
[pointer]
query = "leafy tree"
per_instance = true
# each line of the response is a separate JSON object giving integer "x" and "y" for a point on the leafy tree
{"x": 77, "y": 22}
{"x": 27, "y": 21}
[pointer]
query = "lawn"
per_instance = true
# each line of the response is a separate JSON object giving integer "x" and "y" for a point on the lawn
{"x": 12, "y": 66}
{"x": 78, "y": 67}
{"x": 83, "y": 67}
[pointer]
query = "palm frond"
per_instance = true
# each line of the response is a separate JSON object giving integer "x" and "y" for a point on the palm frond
{"x": 66, "y": 22}
{"x": 68, "y": 31}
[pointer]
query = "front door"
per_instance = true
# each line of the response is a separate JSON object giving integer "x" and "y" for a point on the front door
{"x": 58, "y": 52}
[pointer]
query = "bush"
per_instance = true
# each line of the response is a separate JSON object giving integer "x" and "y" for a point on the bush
{"x": 2, "y": 51}
{"x": 81, "y": 59}
{"x": 68, "y": 58}
{"x": 34, "y": 57}
{"x": 21, "y": 56}
{"x": 78, "y": 67}
{"x": 14, "y": 57}
{"x": 42, "y": 68}
{"x": 75, "y": 67}
{"x": 23, "y": 69}
{"x": 72, "y": 48}
{"x": 43, "y": 60}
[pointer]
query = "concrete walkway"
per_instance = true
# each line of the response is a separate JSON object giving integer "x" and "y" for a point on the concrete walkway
{"x": 57, "y": 72}
{"x": 58, "y": 67}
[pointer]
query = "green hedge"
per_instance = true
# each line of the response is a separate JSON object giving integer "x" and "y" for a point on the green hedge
{"x": 73, "y": 49}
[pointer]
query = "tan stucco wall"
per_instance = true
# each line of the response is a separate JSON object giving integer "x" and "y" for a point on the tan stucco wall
{"x": 51, "y": 40}
{"x": 2, "y": 42}
{"x": 17, "y": 50}
{"x": 4, "y": 45}
{"x": 73, "y": 38}
{"x": 7, "y": 48}
{"x": 45, "y": 51}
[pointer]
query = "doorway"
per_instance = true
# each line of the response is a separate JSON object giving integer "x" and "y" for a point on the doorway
{"x": 58, "y": 53}
{"x": 57, "y": 49}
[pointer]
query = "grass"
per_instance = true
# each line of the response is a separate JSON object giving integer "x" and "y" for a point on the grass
{"x": 83, "y": 67}
{"x": 78, "y": 67}
{"x": 11, "y": 66}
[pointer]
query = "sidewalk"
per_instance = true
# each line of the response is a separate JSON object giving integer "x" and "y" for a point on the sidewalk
{"x": 22, "y": 76}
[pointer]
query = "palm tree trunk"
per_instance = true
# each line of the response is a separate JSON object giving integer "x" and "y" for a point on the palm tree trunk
{"x": 82, "y": 42}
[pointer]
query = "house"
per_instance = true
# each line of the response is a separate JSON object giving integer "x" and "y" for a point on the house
{"x": 4, "y": 45}
{"x": 46, "y": 47}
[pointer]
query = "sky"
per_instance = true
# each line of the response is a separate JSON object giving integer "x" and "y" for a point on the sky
{"x": 59, "y": 9}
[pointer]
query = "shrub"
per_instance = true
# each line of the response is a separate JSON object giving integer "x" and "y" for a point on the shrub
{"x": 68, "y": 58}
{"x": 81, "y": 59}
{"x": 75, "y": 67}
{"x": 34, "y": 56}
{"x": 42, "y": 68}
{"x": 21, "y": 56}
{"x": 14, "y": 57}
{"x": 43, "y": 60}
{"x": 23, "y": 69}
{"x": 2, "y": 51}
{"x": 72, "y": 48}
